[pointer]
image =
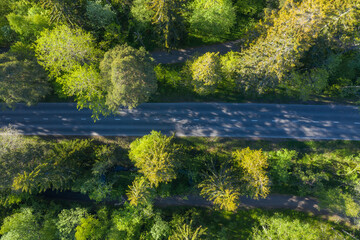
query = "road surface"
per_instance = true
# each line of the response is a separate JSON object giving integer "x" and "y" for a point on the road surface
{"x": 293, "y": 121}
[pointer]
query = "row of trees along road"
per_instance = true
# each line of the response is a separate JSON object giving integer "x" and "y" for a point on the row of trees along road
{"x": 303, "y": 48}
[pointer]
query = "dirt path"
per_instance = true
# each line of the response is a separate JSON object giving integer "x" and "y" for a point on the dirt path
{"x": 273, "y": 201}
{"x": 181, "y": 55}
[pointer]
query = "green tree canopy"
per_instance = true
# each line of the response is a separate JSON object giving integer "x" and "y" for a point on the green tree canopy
{"x": 154, "y": 155}
{"x": 30, "y": 24}
{"x": 251, "y": 164}
{"x": 21, "y": 225}
{"x": 68, "y": 221}
{"x": 100, "y": 15}
{"x": 139, "y": 192}
{"x": 169, "y": 20}
{"x": 206, "y": 73}
{"x": 287, "y": 35}
{"x": 89, "y": 229}
{"x": 221, "y": 188}
{"x": 212, "y": 17}
{"x": 21, "y": 80}
{"x": 62, "y": 50}
{"x": 130, "y": 76}
{"x": 87, "y": 86}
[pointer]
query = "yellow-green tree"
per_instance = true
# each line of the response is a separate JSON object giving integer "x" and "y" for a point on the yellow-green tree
{"x": 154, "y": 156}
{"x": 287, "y": 35}
{"x": 187, "y": 231}
{"x": 139, "y": 192}
{"x": 63, "y": 49}
{"x": 206, "y": 73}
{"x": 251, "y": 164}
{"x": 220, "y": 188}
{"x": 212, "y": 17}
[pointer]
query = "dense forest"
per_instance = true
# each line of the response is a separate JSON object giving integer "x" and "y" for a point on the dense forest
{"x": 122, "y": 179}
{"x": 97, "y": 53}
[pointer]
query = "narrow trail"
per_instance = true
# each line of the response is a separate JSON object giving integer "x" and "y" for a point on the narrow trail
{"x": 273, "y": 201}
{"x": 181, "y": 55}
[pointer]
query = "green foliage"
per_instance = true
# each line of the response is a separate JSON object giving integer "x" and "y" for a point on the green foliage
{"x": 62, "y": 50}
{"x": 160, "y": 229}
{"x": 250, "y": 7}
{"x": 252, "y": 164}
{"x": 309, "y": 82}
{"x": 68, "y": 222}
{"x": 287, "y": 36}
{"x": 206, "y": 75}
{"x": 22, "y": 51}
{"x": 130, "y": 76}
{"x": 220, "y": 188}
{"x": 130, "y": 220}
{"x": 281, "y": 226}
{"x": 142, "y": 16}
{"x": 86, "y": 85}
{"x": 66, "y": 12}
{"x": 16, "y": 156}
{"x": 96, "y": 188}
{"x": 21, "y": 80}
{"x": 339, "y": 202}
{"x": 5, "y": 9}
{"x": 154, "y": 155}
{"x": 214, "y": 18}
{"x": 98, "y": 14}
{"x": 281, "y": 163}
{"x": 169, "y": 21}
{"x": 22, "y": 225}
{"x": 139, "y": 193}
{"x": 187, "y": 231}
{"x": 89, "y": 229}
{"x": 29, "y": 25}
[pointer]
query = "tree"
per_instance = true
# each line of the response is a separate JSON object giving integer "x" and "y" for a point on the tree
{"x": 21, "y": 80}
{"x": 212, "y": 17}
{"x": 154, "y": 155}
{"x": 206, "y": 73}
{"x": 220, "y": 188}
{"x": 99, "y": 15}
{"x": 29, "y": 25}
{"x": 62, "y": 50}
{"x": 130, "y": 76}
{"x": 141, "y": 22}
{"x": 168, "y": 18}
{"x": 139, "y": 193}
{"x": 281, "y": 226}
{"x": 66, "y": 12}
{"x": 129, "y": 221}
{"x": 252, "y": 164}
{"x": 89, "y": 229}
{"x": 186, "y": 231}
{"x": 283, "y": 39}
{"x": 22, "y": 225}
{"x": 86, "y": 85}
{"x": 160, "y": 229}
{"x": 69, "y": 219}
{"x": 17, "y": 155}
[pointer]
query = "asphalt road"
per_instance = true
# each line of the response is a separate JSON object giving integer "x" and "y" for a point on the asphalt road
{"x": 192, "y": 119}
